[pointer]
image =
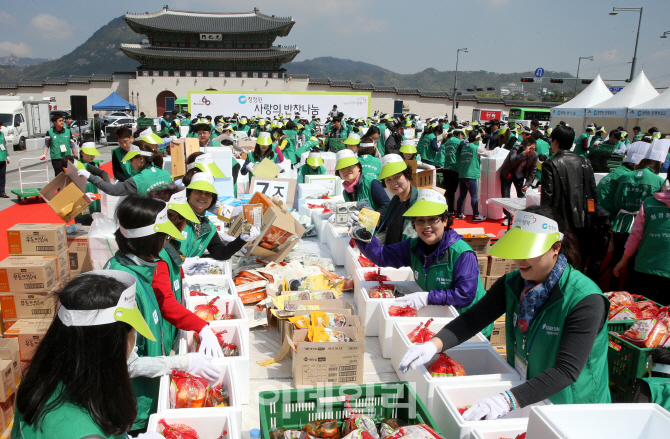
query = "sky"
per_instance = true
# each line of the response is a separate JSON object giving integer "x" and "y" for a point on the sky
{"x": 403, "y": 36}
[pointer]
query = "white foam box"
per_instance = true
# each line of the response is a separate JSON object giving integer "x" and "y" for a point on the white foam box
{"x": 338, "y": 185}
{"x": 394, "y": 275}
{"x": 240, "y": 363}
{"x": 108, "y": 204}
{"x": 308, "y": 190}
{"x": 235, "y": 306}
{"x": 439, "y": 313}
{"x": 329, "y": 160}
{"x": 479, "y": 359}
{"x": 351, "y": 260}
{"x": 599, "y": 421}
{"x": 223, "y": 158}
{"x": 495, "y": 432}
{"x": 230, "y": 383}
{"x": 369, "y": 309}
{"x": 449, "y": 398}
{"x": 208, "y": 422}
{"x": 337, "y": 239}
{"x": 221, "y": 280}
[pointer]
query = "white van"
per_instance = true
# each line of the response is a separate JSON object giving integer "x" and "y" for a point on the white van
{"x": 23, "y": 119}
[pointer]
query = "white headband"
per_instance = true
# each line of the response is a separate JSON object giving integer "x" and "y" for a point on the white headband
{"x": 141, "y": 232}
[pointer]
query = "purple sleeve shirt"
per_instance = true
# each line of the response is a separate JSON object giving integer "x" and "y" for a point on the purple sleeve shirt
{"x": 466, "y": 278}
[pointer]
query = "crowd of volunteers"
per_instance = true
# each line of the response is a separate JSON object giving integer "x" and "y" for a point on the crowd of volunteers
{"x": 555, "y": 311}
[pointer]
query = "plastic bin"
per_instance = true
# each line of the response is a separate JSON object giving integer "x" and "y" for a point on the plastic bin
{"x": 394, "y": 274}
{"x": 236, "y": 307}
{"x": 351, "y": 260}
{"x": 495, "y": 432}
{"x": 230, "y": 382}
{"x": 480, "y": 360}
{"x": 628, "y": 362}
{"x": 209, "y": 422}
{"x": 440, "y": 314}
{"x": 619, "y": 326}
{"x": 240, "y": 362}
{"x": 599, "y": 421}
{"x": 292, "y": 409}
{"x": 338, "y": 241}
{"x": 369, "y": 309}
{"x": 220, "y": 280}
{"x": 448, "y": 398}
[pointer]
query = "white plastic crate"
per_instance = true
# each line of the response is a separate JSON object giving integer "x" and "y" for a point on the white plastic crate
{"x": 448, "y": 398}
{"x": 495, "y": 432}
{"x": 338, "y": 241}
{"x": 351, "y": 260}
{"x": 230, "y": 383}
{"x": 221, "y": 280}
{"x": 599, "y": 421}
{"x": 209, "y": 422}
{"x": 319, "y": 225}
{"x": 439, "y": 313}
{"x": 479, "y": 359}
{"x": 369, "y": 310}
{"x": 235, "y": 307}
{"x": 394, "y": 275}
{"x": 240, "y": 363}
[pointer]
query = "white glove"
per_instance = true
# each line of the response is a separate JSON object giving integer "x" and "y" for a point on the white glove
{"x": 415, "y": 300}
{"x": 417, "y": 355}
{"x": 201, "y": 365}
{"x": 194, "y": 265}
{"x": 493, "y": 407}
{"x": 353, "y": 218}
{"x": 150, "y": 435}
{"x": 83, "y": 173}
{"x": 225, "y": 238}
{"x": 253, "y": 234}
{"x": 331, "y": 219}
{"x": 250, "y": 167}
{"x": 209, "y": 344}
{"x": 43, "y": 157}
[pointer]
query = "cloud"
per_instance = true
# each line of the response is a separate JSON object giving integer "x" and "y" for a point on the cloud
{"x": 608, "y": 55}
{"x": 53, "y": 28}
{"x": 663, "y": 54}
{"x": 18, "y": 49}
{"x": 6, "y": 19}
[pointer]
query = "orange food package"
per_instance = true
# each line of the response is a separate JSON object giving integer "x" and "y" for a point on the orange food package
{"x": 648, "y": 308}
{"x": 399, "y": 311}
{"x": 208, "y": 311}
{"x": 646, "y": 333}
{"x": 365, "y": 262}
{"x": 245, "y": 277}
{"x": 218, "y": 397}
{"x": 177, "y": 431}
{"x": 253, "y": 296}
{"x": 619, "y": 298}
{"x": 383, "y": 291}
{"x": 187, "y": 391}
{"x": 421, "y": 334}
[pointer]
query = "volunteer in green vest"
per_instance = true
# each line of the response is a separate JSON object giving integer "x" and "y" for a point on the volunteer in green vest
{"x": 469, "y": 171}
{"x": 582, "y": 142}
{"x": 337, "y": 134}
{"x": 88, "y": 152}
{"x": 143, "y": 228}
{"x": 311, "y": 144}
{"x": 122, "y": 170}
{"x": 541, "y": 145}
{"x": 607, "y": 187}
{"x": 4, "y": 161}
{"x": 78, "y": 383}
{"x": 313, "y": 166}
{"x": 357, "y": 186}
{"x": 352, "y": 141}
{"x": 291, "y": 133}
{"x": 370, "y": 163}
{"x": 381, "y": 140}
{"x": 656, "y": 387}
{"x": 242, "y": 126}
{"x": 264, "y": 149}
{"x": 601, "y": 151}
{"x": 555, "y": 321}
{"x": 444, "y": 266}
{"x": 58, "y": 143}
{"x": 202, "y": 236}
{"x": 427, "y": 143}
{"x": 396, "y": 176}
{"x": 637, "y": 133}
{"x": 450, "y": 169}
{"x": 167, "y": 281}
{"x": 144, "y": 159}
{"x": 408, "y": 150}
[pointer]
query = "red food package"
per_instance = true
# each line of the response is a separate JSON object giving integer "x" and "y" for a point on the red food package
{"x": 383, "y": 291}
{"x": 229, "y": 349}
{"x": 196, "y": 293}
{"x": 419, "y": 431}
{"x": 187, "y": 391}
{"x": 421, "y": 334}
{"x": 357, "y": 421}
{"x": 365, "y": 262}
{"x": 226, "y": 315}
{"x": 177, "y": 431}
{"x": 629, "y": 312}
{"x": 663, "y": 313}
{"x": 648, "y": 309}
{"x": 325, "y": 428}
{"x": 646, "y": 333}
{"x": 371, "y": 276}
{"x": 218, "y": 397}
{"x": 399, "y": 311}
{"x": 445, "y": 366}
{"x": 462, "y": 410}
{"x": 208, "y": 311}
{"x": 619, "y": 298}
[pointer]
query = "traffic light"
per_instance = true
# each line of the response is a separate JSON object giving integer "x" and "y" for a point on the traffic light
{"x": 587, "y": 81}
{"x": 556, "y": 81}
{"x": 527, "y": 79}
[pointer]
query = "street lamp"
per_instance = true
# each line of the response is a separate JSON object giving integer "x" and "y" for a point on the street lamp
{"x": 590, "y": 58}
{"x": 637, "y": 38}
{"x": 665, "y": 34}
{"x": 453, "y": 101}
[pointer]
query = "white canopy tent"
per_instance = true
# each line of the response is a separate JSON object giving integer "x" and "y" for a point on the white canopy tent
{"x": 653, "y": 113}
{"x": 572, "y": 112}
{"x": 612, "y": 112}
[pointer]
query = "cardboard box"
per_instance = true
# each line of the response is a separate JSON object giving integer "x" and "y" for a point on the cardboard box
{"x": 500, "y": 266}
{"x": 421, "y": 179}
{"x": 7, "y": 408}
{"x": 28, "y": 274}
{"x": 284, "y": 188}
{"x": 29, "y": 333}
{"x": 79, "y": 254}
{"x": 27, "y": 306}
{"x": 287, "y": 328}
{"x": 335, "y": 363}
{"x": 63, "y": 267}
{"x": 482, "y": 263}
{"x": 36, "y": 239}
{"x": 498, "y": 335}
{"x": 178, "y": 157}
{"x": 322, "y": 304}
{"x": 66, "y": 194}
{"x": 7, "y": 323}
{"x": 480, "y": 244}
{"x": 7, "y": 381}
{"x": 9, "y": 350}
{"x": 490, "y": 280}
{"x": 502, "y": 350}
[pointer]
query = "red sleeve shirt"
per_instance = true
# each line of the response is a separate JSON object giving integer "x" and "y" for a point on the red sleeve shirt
{"x": 173, "y": 311}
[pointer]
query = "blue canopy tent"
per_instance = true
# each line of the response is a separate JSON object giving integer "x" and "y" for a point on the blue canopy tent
{"x": 114, "y": 102}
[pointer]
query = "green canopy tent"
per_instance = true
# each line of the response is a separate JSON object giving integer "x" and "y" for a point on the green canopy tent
{"x": 181, "y": 104}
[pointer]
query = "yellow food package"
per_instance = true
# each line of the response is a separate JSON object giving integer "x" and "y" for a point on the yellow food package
{"x": 300, "y": 322}
{"x": 320, "y": 319}
{"x": 369, "y": 218}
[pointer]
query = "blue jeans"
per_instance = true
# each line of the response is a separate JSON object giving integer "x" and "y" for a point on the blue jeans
{"x": 468, "y": 185}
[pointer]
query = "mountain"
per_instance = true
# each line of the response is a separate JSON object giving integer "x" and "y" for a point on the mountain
{"x": 13, "y": 60}
{"x": 328, "y": 66}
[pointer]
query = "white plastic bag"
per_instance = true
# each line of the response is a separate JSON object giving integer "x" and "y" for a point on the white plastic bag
{"x": 101, "y": 241}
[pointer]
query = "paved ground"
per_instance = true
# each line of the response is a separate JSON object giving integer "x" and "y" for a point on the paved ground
{"x": 35, "y": 165}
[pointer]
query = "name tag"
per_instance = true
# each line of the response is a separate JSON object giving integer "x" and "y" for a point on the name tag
{"x": 520, "y": 365}
{"x": 2, "y": 147}
{"x": 63, "y": 148}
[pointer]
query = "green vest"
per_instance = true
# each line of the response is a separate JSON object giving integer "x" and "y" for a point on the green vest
{"x": 246, "y": 128}
{"x": 126, "y": 167}
{"x": 440, "y": 154}
{"x": 660, "y": 391}
{"x": 451, "y": 154}
{"x": 371, "y": 165}
{"x": 423, "y": 146}
{"x": 440, "y": 276}
{"x": 67, "y": 421}
{"x": 185, "y": 123}
{"x": 307, "y": 170}
{"x": 307, "y": 146}
{"x": 545, "y": 334}
{"x": 542, "y": 147}
{"x": 468, "y": 162}
{"x": 606, "y": 190}
{"x": 391, "y": 211}
{"x": 190, "y": 246}
{"x": 151, "y": 178}
{"x": 289, "y": 151}
{"x": 633, "y": 188}
{"x": 578, "y": 145}
{"x": 146, "y": 389}
{"x": 605, "y": 147}
{"x": 511, "y": 142}
{"x": 58, "y": 139}
{"x": 3, "y": 148}
{"x": 171, "y": 256}
{"x": 381, "y": 142}
{"x": 362, "y": 191}
{"x": 653, "y": 256}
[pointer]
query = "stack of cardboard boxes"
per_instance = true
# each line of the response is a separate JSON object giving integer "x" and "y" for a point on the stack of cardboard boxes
{"x": 10, "y": 378}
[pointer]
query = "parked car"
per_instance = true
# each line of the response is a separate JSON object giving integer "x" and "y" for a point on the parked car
{"x": 127, "y": 121}
{"x": 116, "y": 115}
